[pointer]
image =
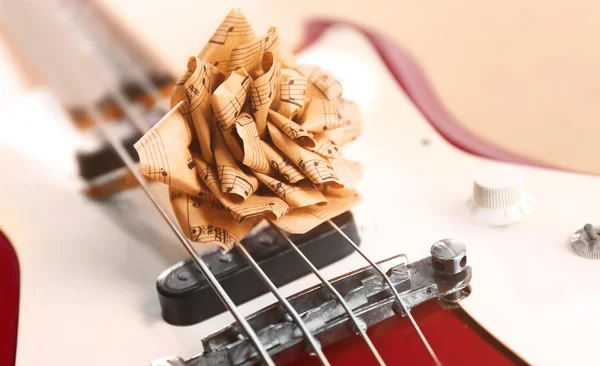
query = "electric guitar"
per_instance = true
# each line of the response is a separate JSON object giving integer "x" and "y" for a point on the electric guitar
{"x": 87, "y": 269}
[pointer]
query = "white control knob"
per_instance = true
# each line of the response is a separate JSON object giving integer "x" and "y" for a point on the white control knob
{"x": 499, "y": 196}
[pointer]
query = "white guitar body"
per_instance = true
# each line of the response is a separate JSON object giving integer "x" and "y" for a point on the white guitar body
{"x": 88, "y": 269}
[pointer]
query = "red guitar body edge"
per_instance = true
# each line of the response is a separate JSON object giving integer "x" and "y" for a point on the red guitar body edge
{"x": 9, "y": 301}
{"x": 414, "y": 83}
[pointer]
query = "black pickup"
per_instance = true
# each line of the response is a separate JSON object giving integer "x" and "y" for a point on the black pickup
{"x": 186, "y": 298}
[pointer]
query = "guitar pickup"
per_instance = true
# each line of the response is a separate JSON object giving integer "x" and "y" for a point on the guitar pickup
{"x": 186, "y": 297}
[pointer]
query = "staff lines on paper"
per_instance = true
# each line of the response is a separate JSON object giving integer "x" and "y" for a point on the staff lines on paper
{"x": 156, "y": 156}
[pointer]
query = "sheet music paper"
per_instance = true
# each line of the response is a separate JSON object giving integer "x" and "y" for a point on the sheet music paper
{"x": 293, "y": 130}
{"x": 320, "y": 83}
{"x": 322, "y": 115}
{"x": 262, "y": 91}
{"x": 252, "y": 135}
{"x": 292, "y": 93}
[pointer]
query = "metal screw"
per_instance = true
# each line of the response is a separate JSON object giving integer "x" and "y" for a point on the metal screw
{"x": 266, "y": 240}
{"x": 590, "y": 232}
{"x": 184, "y": 276}
{"x": 226, "y": 258}
{"x": 586, "y": 242}
{"x": 449, "y": 256}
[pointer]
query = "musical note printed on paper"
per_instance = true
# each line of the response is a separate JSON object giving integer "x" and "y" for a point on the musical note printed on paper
{"x": 316, "y": 168}
{"x": 254, "y": 156}
{"x": 291, "y": 94}
{"x": 270, "y": 207}
{"x": 234, "y": 182}
{"x": 282, "y": 165}
{"x": 350, "y": 131}
{"x": 228, "y": 99}
{"x": 323, "y": 115}
{"x": 292, "y": 130}
{"x": 249, "y": 55}
{"x": 347, "y": 171}
{"x": 205, "y": 221}
{"x": 326, "y": 147}
{"x": 263, "y": 89}
{"x": 320, "y": 83}
{"x": 234, "y": 31}
{"x": 164, "y": 153}
{"x": 201, "y": 78}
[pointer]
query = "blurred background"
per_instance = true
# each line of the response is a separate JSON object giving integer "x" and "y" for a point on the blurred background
{"x": 523, "y": 75}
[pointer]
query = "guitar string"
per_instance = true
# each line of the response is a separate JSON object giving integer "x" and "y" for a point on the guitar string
{"x": 137, "y": 119}
{"x": 403, "y": 307}
{"x": 360, "y": 327}
{"x": 117, "y": 51}
{"x": 314, "y": 343}
{"x": 151, "y": 89}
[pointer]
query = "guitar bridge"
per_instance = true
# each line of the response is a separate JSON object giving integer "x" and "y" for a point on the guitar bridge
{"x": 364, "y": 290}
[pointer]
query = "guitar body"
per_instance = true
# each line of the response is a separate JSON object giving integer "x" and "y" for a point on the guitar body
{"x": 88, "y": 268}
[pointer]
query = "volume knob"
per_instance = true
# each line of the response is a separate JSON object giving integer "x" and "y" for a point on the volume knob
{"x": 499, "y": 196}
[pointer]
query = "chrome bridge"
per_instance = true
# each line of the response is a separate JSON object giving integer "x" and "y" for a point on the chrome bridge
{"x": 364, "y": 290}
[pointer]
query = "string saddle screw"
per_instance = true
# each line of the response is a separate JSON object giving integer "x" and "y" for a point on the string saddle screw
{"x": 449, "y": 256}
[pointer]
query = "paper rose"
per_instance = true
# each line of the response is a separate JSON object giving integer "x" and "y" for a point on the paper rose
{"x": 251, "y": 135}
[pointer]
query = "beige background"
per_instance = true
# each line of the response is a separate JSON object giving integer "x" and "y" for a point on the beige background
{"x": 521, "y": 74}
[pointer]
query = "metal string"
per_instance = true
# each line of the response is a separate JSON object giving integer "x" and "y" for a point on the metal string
{"x": 357, "y": 323}
{"x": 314, "y": 343}
{"x": 403, "y": 307}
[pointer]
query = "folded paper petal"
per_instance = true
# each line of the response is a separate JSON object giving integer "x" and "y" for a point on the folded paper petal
{"x": 320, "y": 83}
{"x": 291, "y": 94}
{"x": 228, "y": 99}
{"x": 316, "y": 168}
{"x": 164, "y": 152}
{"x": 324, "y": 115}
{"x": 292, "y": 130}
{"x": 234, "y": 181}
{"x": 295, "y": 195}
{"x": 204, "y": 219}
{"x": 234, "y": 31}
{"x": 282, "y": 164}
{"x": 263, "y": 90}
{"x": 254, "y": 156}
{"x": 300, "y": 220}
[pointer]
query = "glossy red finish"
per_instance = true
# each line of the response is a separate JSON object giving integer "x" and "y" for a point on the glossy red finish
{"x": 454, "y": 337}
{"x": 9, "y": 301}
